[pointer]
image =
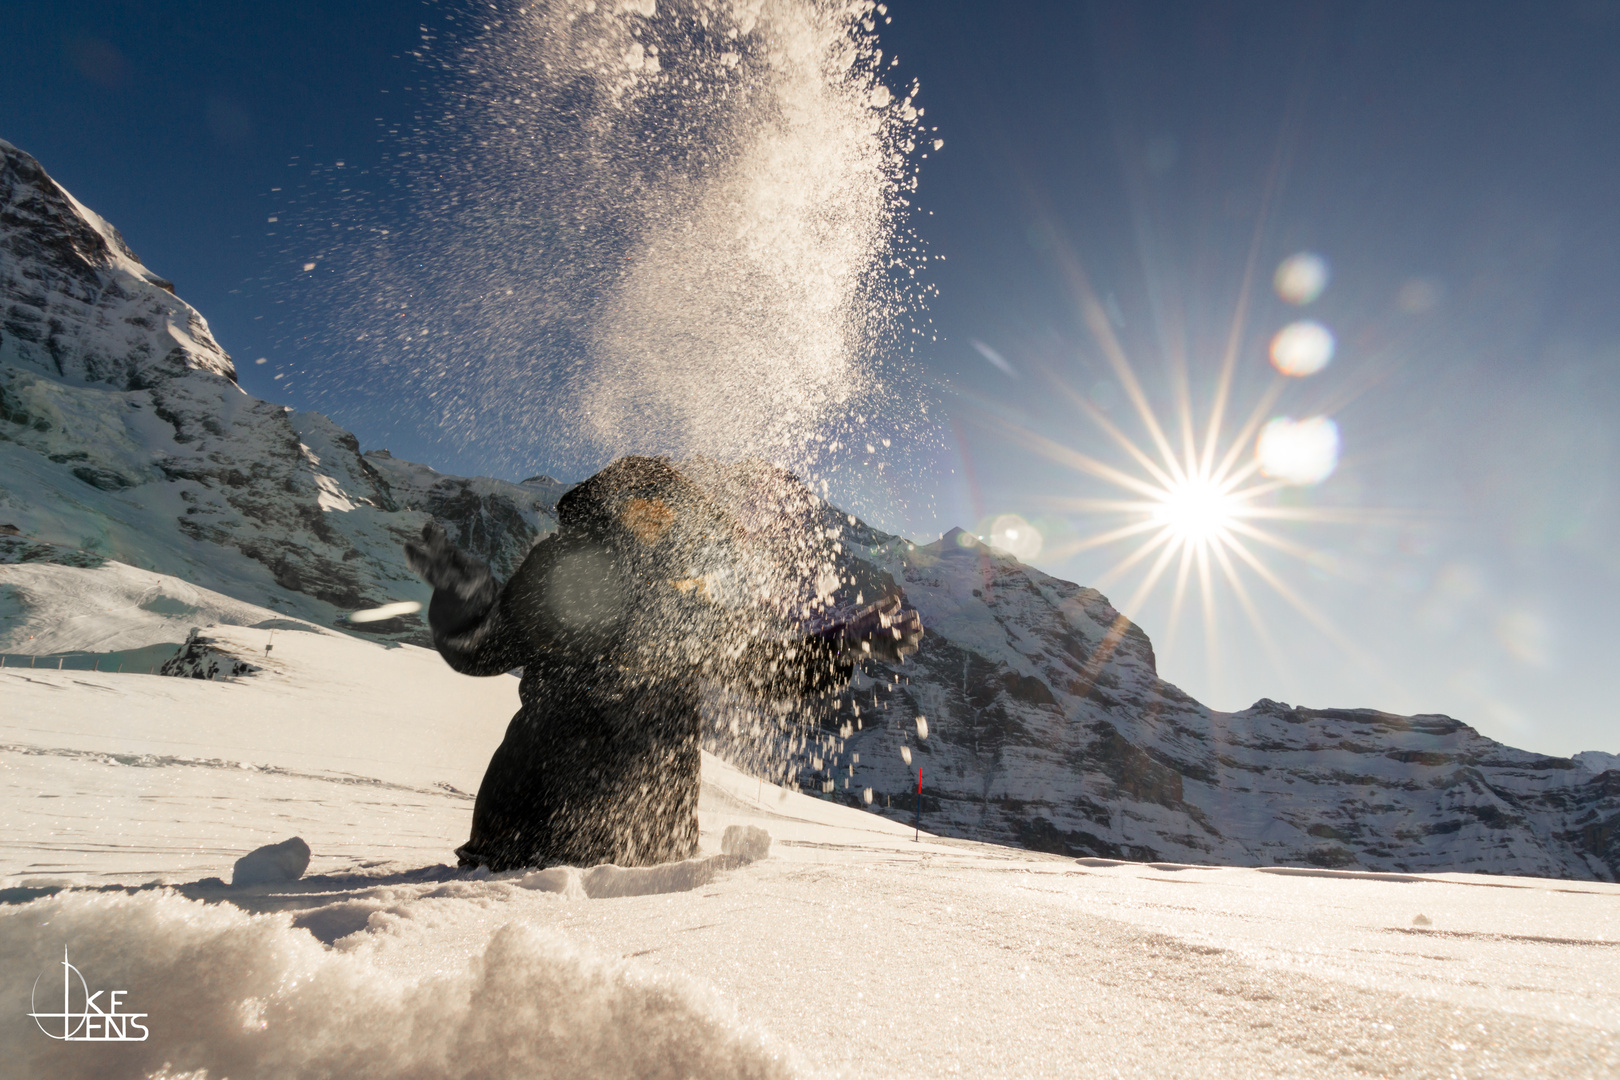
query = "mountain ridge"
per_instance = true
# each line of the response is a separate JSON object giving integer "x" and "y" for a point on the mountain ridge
{"x": 126, "y": 433}
{"x": 123, "y": 433}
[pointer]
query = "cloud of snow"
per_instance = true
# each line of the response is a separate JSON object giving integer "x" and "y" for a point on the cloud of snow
{"x": 235, "y": 995}
{"x": 646, "y": 227}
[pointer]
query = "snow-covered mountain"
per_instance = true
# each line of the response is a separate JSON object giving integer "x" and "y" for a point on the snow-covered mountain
{"x": 123, "y": 432}
{"x": 124, "y": 435}
{"x": 1048, "y": 726}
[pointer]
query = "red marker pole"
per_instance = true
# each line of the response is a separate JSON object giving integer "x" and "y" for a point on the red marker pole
{"x": 917, "y": 825}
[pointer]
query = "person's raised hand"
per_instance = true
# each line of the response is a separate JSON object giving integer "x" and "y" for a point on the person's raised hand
{"x": 888, "y": 631}
{"x": 449, "y": 569}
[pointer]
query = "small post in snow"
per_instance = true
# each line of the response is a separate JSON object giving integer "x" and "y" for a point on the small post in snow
{"x": 917, "y": 825}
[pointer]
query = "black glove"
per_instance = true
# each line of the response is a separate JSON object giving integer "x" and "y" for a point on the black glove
{"x": 463, "y": 587}
{"x": 887, "y": 631}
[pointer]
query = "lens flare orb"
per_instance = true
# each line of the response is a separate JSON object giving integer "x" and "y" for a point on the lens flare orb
{"x": 1302, "y": 348}
{"x": 1017, "y": 537}
{"x": 1300, "y": 278}
{"x": 1298, "y": 452}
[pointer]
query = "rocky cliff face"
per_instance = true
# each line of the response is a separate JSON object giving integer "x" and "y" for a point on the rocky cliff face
{"x": 123, "y": 434}
{"x": 1049, "y": 727}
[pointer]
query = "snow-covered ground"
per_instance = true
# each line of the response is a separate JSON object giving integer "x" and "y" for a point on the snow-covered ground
{"x": 852, "y": 950}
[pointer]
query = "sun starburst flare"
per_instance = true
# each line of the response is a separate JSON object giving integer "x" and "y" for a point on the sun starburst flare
{"x": 1197, "y": 503}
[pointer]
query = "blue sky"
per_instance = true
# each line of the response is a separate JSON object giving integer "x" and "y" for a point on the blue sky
{"x": 1451, "y": 162}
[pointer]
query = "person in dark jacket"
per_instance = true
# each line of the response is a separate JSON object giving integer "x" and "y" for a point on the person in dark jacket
{"x": 615, "y": 620}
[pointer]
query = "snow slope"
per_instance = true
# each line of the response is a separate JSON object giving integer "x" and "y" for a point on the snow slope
{"x": 851, "y": 950}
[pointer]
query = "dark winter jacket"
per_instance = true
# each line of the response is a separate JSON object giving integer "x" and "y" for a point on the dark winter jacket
{"x": 614, "y": 624}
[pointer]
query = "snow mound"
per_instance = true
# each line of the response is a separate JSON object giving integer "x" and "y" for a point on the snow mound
{"x": 285, "y": 861}
{"x": 249, "y": 996}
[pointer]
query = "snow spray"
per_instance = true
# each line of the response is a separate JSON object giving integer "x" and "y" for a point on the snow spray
{"x": 669, "y": 227}
{"x": 638, "y": 227}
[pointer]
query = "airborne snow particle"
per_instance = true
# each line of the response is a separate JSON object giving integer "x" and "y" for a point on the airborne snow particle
{"x": 386, "y": 611}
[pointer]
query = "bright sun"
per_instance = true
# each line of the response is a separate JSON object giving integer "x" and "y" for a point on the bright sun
{"x": 1195, "y": 508}
{"x": 1197, "y": 511}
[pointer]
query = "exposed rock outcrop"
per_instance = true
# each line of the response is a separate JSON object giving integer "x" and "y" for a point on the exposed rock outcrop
{"x": 204, "y": 658}
{"x": 1049, "y": 727}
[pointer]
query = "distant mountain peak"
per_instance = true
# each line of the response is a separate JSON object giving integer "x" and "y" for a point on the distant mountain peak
{"x": 78, "y": 303}
{"x": 123, "y": 432}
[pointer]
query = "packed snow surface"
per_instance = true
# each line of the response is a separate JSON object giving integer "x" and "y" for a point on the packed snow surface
{"x": 852, "y": 949}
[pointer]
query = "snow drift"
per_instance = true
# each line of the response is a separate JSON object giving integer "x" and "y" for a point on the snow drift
{"x": 235, "y": 995}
